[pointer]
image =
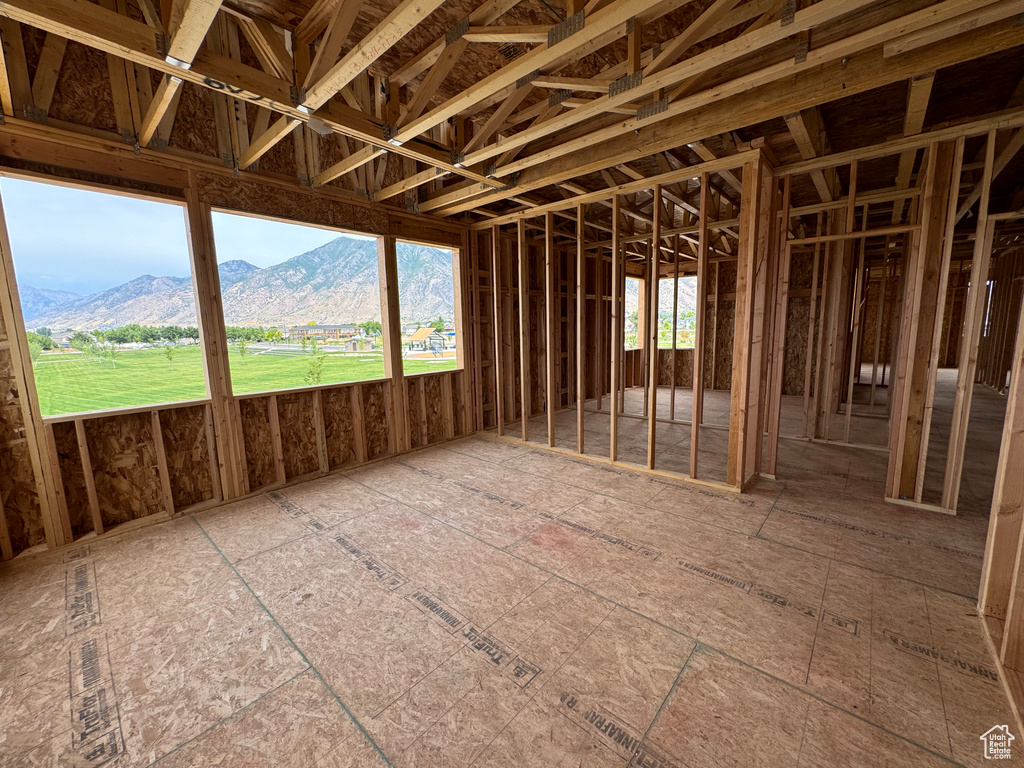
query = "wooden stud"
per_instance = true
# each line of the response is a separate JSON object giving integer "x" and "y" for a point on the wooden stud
{"x": 387, "y": 269}
{"x": 358, "y": 426}
{"x": 321, "y": 431}
{"x": 581, "y": 325}
{"x": 616, "y": 318}
{"x": 549, "y": 317}
{"x": 809, "y": 350}
{"x": 161, "y": 463}
{"x": 62, "y": 501}
{"x": 211, "y": 452}
{"x": 653, "y": 270}
{"x": 779, "y": 333}
{"x": 89, "y": 477}
{"x": 525, "y": 398}
{"x": 499, "y": 352}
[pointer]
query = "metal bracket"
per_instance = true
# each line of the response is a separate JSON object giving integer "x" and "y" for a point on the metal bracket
{"x": 34, "y": 113}
{"x": 228, "y": 161}
{"x": 788, "y": 12}
{"x": 162, "y": 44}
{"x": 626, "y": 83}
{"x": 389, "y": 130}
{"x": 803, "y": 43}
{"x": 566, "y": 28}
{"x": 652, "y": 109}
{"x": 298, "y": 95}
{"x": 527, "y": 78}
{"x": 489, "y": 169}
{"x": 457, "y": 158}
{"x": 559, "y": 96}
{"x": 457, "y": 31}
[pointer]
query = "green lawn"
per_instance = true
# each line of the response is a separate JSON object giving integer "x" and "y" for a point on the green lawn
{"x": 72, "y": 383}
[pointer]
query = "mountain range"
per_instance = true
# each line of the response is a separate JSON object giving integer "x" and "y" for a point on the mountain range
{"x": 333, "y": 284}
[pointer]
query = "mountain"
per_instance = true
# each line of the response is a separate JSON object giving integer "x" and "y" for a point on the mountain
{"x": 36, "y": 302}
{"x": 333, "y": 284}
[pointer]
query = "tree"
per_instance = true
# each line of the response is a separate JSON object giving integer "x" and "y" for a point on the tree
{"x": 172, "y": 333}
{"x": 314, "y": 370}
{"x": 304, "y": 343}
{"x": 311, "y": 322}
{"x": 109, "y": 351}
{"x": 243, "y": 344}
{"x": 44, "y": 331}
{"x": 191, "y": 332}
{"x": 438, "y": 324}
{"x": 372, "y": 328}
{"x": 149, "y": 334}
{"x": 44, "y": 342}
{"x": 35, "y": 349}
{"x": 81, "y": 341}
{"x": 99, "y": 335}
{"x": 169, "y": 354}
{"x": 274, "y": 335}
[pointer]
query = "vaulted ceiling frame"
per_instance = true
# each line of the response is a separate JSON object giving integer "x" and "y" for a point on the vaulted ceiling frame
{"x": 828, "y": 73}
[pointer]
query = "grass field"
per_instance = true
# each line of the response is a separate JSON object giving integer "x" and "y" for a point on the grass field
{"x": 73, "y": 383}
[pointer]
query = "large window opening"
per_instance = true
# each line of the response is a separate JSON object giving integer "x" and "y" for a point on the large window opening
{"x": 427, "y": 298}
{"x": 105, "y": 283}
{"x": 301, "y": 304}
{"x": 686, "y": 312}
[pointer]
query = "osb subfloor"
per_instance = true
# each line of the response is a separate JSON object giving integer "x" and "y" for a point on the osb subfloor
{"x": 492, "y": 603}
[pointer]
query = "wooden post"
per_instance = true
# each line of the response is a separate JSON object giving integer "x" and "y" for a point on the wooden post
{"x": 321, "y": 431}
{"x": 745, "y": 411}
{"x": 211, "y": 452}
{"x": 275, "y": 440}
{"x": 812, "y": 315}
{"x": 209, "y": 310}
{"x": 89, "y": 477}
{"x": 387, "y": 269}
{"x": 499, "y": 353}
{"x": 858, "y": 287}
{"x": 525, "y": 398}
{"x": 28, "y": 399}
{"x": 161, "y": 462}
{"x": 946, "y": 243}
{"x": 653, "y": 269}
{"x": 581, "y": 319}
{"x": 973, "y": 320}
{"x": 616, "y": 316}
{"x": 697, "y": 382}
{"x": 1002, "y": 580}
{"x": 549, "y": 317}
{"x": 62, "y": 501}
{"x": 879, "y": 313}
{"x": 779, "y": 334}
{"x": 675, "y": 327}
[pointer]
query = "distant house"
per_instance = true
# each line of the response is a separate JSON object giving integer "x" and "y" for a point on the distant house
{"x": 428, "y": 339}
{"x": 323, "y": 333}
{"x": 410, "y": 328}
{"x": 63, "y": 340}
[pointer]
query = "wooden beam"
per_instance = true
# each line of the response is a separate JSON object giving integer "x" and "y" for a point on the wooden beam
{"x": 484, "y": 14}
{"x": 652, "y": 327}
{"x": 267, "y": 44}
{"x": 498, "y": 331}
{"x": 693, "y": 34}
{"x": 45, "y": 81}
{"x": 973, "y": 319}
{"x": 601, "y": 28}
{"x": 428, "y": 89}
{"x": 525, "y": 395}
{"x": 616, "y": 321}
{"x": 581, "y": 325}
{"x": 1013, "y": 146}
{"x": 89, "y": 477}
{"x": 947, "y": 29}
{"x": 820, "y": 78}
{"x": 389, "y": 31}
{"x": 808, "y": 131}
{"x": 335, "y": 37}
{"x": 508, "y": 34}
{"x": 549, "y": 322}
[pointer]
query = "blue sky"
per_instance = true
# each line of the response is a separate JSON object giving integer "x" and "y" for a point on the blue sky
{"x": 83, "y": 241}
